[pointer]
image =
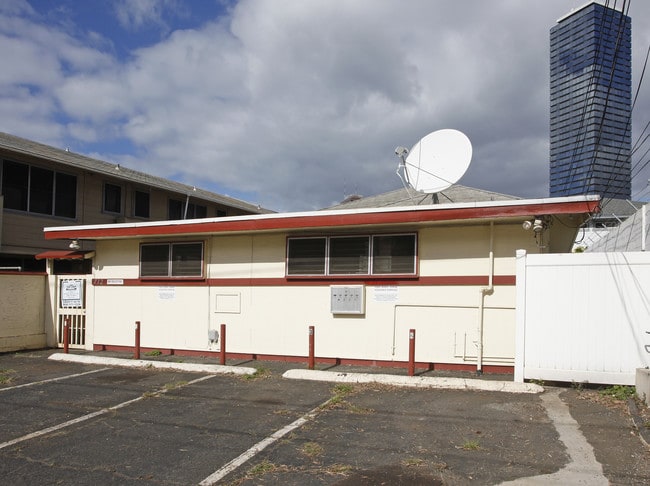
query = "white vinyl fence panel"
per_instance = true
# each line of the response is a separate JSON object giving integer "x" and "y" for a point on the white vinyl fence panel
{"x": 583, "y": 317}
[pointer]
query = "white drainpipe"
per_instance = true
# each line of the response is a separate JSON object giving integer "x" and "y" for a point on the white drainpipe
{"x": 482, "y": 292}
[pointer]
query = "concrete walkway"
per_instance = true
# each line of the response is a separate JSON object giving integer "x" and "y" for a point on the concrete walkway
{"x": 583, "y": 467}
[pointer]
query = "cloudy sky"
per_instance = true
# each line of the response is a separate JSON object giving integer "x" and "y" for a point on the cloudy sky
{"x": 292, "y": 104}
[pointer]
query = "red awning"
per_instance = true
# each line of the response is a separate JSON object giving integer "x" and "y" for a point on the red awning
{"x": 64, "y": 255}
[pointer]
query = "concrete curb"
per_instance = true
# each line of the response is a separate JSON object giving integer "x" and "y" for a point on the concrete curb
{"x": 414, "y": 381}
{"x": 142, "y": 363}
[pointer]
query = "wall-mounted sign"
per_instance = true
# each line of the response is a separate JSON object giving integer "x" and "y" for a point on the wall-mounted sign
{"x": 72, "y": 293}
{"x": 386, "y": 293}
{"x": 166, "y": 293}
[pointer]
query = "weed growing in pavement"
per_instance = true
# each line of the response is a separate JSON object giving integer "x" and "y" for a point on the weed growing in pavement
{"x": 412, "y": 461}
{"x": 267, "y": 467}
{"x": 340, "y": 391}
{"x": 312, "y": 450}
{"x": 261, "y": 468}
{"x": 619, "y": 392}
{"x": 154, "y": 352}
{"x": 578, "y": 386}
{"x": 5, "y": 376}
{"x": 174, "y": 384}
{"x": 471, "y": 445}
{"x": 260, "y": 372}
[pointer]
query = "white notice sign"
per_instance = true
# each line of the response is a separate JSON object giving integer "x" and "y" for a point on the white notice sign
{"x": 166, "y": 293}
{"x": 71, "y": 293}
{"x": 386, "y": 293}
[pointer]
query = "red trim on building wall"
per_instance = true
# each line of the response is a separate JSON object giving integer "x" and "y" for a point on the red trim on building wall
{"x": 487, "y": 369}
{"x": 328, "y": 220}
{"x": 450, "y": 280}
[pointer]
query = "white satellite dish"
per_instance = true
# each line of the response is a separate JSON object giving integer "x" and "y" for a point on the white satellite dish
{"x": 437, "y": 161}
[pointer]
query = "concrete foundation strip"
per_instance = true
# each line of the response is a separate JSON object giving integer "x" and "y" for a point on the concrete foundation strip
{"x": 143, "y": 363}
{"x": 415, "y": 381}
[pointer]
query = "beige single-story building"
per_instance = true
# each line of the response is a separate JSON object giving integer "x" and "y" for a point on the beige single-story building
{"x": 362, "y": 277}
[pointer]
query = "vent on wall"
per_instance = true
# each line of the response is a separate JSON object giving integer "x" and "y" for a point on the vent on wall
{"x": 347, "y": 299}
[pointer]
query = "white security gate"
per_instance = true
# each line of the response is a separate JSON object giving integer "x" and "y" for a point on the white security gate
{"x": 71, "y": 308}
{"x": 583, "y": 317}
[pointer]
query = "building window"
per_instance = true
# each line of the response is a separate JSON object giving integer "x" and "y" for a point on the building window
{"x": 194, "y": 211}
{"x": 41, "y": 191}
{"x": 141, "y": 204}
{"x": 352, "y": 255}
{"x": 349, "y": 255}
{"x": 112, "y": 198}
{"x": 171, "y": 260}
{"x": 38, "y": 190}
{"x": 393, "y": 254}
{"x": 65, "y": 195}
{"x": 306, "y": 256}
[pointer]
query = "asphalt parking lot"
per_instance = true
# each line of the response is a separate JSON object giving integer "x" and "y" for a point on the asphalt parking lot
{"x": 75, "y": 423}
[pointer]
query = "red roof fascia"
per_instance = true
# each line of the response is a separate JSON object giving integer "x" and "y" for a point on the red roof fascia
{"x": 328, "y": 220}
{"x": 61, "y": 255}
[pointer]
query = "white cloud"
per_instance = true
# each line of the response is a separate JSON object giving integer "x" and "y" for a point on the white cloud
{"x": 298, "y": 103}
{"x": 133, "y": 15}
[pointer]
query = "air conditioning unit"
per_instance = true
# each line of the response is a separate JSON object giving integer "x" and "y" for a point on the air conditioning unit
{"x": 347, "y": 299}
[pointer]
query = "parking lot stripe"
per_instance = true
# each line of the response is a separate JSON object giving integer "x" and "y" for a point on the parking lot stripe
{"x": 83, "y": 418}
{"x": 261, "y": 445}
{"x": 33, "y": 383}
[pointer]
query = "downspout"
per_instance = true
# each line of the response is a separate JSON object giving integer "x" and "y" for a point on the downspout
{"x": 482, "y": 292}
{"x": 187, "y": 203}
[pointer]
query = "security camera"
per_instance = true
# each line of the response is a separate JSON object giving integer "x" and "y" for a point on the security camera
{"x": 401, "y": 151}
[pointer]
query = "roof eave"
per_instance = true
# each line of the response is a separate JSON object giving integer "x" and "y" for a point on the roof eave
{"x": 332, "y": 219}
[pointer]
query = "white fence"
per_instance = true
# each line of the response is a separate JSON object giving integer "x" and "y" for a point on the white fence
{"x": 583, "y": 317}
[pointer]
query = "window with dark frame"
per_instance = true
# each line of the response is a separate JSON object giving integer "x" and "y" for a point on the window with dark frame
{"x": 65, "y": 195}
{"x": 390, "y": 254}
{"x": 194, "y": 211}
{"x": 41, "y": 191}
{"x": 393, "y": 254}
{"x": 175, "y": 209}
{"x": 141, "y": 204}
{"x": 112, "y": 198}
{"x": 349, "y": 255}
{"x": 37, "y": 190}
{"x": 306, "y": 256}
{"x": 171, "y": 260}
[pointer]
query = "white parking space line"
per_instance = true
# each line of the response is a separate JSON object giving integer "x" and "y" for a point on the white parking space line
{"x": 83, "y": 418}
{"x": 66, "y": 377}
{"x": 261, "y": 445}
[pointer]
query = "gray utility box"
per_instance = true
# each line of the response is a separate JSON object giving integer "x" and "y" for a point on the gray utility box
{"x": 347, "y": 299}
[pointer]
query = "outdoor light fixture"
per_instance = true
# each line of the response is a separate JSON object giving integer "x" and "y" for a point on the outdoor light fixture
{"x": 74, "y": 245}
{"x": 537, "y": 225}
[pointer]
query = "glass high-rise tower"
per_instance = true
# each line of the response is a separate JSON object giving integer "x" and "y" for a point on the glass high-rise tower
{"x": 591, "y": 86}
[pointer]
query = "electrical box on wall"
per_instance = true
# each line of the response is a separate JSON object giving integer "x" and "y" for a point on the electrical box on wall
{"x": 347, "y": 299}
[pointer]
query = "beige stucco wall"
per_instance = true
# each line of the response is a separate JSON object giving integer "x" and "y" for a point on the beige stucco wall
{"x": 274, "y": 319}
{"x": 22, "y": 311}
